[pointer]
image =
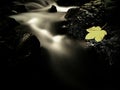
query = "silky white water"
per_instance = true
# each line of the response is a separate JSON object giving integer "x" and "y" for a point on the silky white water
{"x": 66, "y": 55}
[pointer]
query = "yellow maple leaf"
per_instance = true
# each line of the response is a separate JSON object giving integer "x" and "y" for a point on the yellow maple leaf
{"x": 95, "y": 33}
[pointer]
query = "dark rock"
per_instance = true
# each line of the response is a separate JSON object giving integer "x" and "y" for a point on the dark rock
{"x": 8, "y": 42}
{"x": 18, "y": 9}
{"x": 26, "y": 52}
{"x": 88, "y": 15}
{"x": 8, "y": 8}
{"x": 112, "y": 9}
{"x": 52, "y": 9}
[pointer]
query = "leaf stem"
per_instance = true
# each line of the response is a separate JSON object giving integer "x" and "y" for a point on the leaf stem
{"x": 104, "y": 25}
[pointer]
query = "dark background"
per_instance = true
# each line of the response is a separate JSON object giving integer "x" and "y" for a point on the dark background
{"x": 28, "y": 65}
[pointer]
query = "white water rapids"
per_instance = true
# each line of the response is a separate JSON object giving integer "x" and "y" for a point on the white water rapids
{"x": 66, "y": 54}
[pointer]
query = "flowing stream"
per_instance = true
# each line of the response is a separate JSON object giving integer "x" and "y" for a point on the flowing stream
{"x": 67, "y": 55}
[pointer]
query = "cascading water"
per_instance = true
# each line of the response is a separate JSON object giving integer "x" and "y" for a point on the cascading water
{"x": 66, "y": 54}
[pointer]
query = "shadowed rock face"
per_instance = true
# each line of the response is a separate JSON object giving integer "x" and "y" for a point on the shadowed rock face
{"x": 88, "y": 15}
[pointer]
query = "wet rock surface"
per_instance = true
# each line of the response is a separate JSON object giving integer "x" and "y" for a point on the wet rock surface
{"x": 88, "y": 15}
{"x": 92, "y": 14}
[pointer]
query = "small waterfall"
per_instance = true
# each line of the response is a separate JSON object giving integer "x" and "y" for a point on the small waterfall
{"x": 66, "y": 54}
